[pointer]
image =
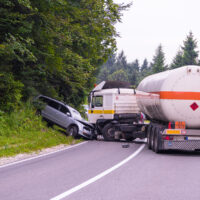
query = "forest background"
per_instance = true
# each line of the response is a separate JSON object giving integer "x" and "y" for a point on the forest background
{"x": 61, "y": 48}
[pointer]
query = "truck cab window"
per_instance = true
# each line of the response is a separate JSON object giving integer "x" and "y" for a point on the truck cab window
{"x": 97, "y": 101}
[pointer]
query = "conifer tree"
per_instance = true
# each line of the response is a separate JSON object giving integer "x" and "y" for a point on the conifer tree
{"x": 144, "y": 65}
{"x": 190, "y": 54}
{"x": 177, "y": 61}
{"x": 158, "y": 64}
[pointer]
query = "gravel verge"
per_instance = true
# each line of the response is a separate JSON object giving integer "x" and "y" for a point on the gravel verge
{"x": 19, "y": 157}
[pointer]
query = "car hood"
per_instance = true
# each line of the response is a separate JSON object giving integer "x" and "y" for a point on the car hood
{"x": 86, "y": 123}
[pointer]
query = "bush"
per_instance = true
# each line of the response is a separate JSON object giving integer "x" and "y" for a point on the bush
{"x": 10, "y": 92}
{"x": 23, "y": 131}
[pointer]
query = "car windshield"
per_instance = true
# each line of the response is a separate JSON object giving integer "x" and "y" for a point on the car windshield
{"x": 76, "y": 114}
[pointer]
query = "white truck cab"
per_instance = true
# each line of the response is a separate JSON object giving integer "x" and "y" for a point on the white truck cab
{"x": 112, "y": 103}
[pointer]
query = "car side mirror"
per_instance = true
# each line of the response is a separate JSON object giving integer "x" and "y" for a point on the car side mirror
{"x": 68, "y": 114}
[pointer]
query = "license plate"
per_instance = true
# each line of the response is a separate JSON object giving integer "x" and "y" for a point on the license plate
{"x": 173, "y": 132}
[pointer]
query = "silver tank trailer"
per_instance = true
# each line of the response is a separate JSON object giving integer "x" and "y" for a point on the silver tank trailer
{"x": 173, "y": 95}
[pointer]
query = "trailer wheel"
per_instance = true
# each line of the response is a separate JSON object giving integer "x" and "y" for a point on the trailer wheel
{"x": 149, "y": 136}
{"x": 109, "y": 132}
{"x": 152, "y": 137}
{"x": 157, "y": 140}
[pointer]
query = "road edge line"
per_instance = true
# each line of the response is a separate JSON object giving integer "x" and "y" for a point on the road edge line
{"x": 43, "y": 155}
{"x": 99, "y": 176}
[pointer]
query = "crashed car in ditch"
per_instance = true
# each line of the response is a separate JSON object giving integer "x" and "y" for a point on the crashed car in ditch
{"x": 56, "y": 112}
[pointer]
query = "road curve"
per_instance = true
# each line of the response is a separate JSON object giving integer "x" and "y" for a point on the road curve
{"x": 49, "y": 176}
{"x": 148, "y": 176}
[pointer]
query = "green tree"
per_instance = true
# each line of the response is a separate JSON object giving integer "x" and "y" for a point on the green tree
{"x": 158, "y": 64}
{"x": 10, "y": 92}
{"x": 190, "y": 54}
{"x": 56, "y": 47}
{"x": 133, "y": 72}
{"x": 119, "y": 75}
{"x": 177, "y": 61}
{"x": 144, "y": 66}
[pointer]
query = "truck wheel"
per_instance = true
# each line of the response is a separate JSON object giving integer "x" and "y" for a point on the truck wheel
{"x": 152, "y": 137}
{"x": 149, "y": 136}
{"x": 73, "y": 131}
{"x": 109, "y": 132}
{"x": 129, "y": 139}
{"x": 157, "y": 140}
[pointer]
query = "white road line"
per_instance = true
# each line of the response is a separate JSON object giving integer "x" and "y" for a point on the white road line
{"x": 40, "y": 156}
{"x": 99, "y": 176}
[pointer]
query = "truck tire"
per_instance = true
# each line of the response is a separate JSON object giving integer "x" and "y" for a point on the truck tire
{"x": 130, "y": 139}
{"x": 157, "y": 140}
{"x": 149, "y": 136}
{"x": 152, "y": 137}
{"x": 109, "y": 132}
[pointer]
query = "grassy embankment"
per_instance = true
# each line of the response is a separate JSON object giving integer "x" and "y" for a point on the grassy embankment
{"x": 23, "y": 132}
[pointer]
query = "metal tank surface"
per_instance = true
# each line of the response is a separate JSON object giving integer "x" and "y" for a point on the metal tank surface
{"x": 173, "y": 95}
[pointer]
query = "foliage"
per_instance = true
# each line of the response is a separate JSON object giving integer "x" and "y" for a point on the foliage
{"x": 10, "y": 92}
{"x": 177, "y": 61}
{"x": 118, "y": 75}
{"x": 117, "y": 68}
{"x": 22, "y": 131}
{"x": 56, "y": 47}
{"x": 188, "y": 55}
{"x": 158, "y": 64}
{"x": 134, "y": 73}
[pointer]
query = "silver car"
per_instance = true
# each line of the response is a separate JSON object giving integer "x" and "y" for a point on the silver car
{"x": 56, "y": 112}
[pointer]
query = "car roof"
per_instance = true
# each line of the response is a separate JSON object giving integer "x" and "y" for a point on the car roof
{"x": 60, "y": 102}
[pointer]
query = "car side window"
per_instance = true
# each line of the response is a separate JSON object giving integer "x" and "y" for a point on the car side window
{"x": 97, "y": 101}
{"x": 54, "y": 104}
{"x": 64, "y": 109}
{"x": 45, "y": 100}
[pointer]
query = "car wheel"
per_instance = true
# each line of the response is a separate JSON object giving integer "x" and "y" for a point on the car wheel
{"x": 73, "y": 131}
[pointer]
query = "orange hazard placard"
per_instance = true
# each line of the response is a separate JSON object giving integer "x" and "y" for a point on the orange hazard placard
{"x": 179, "y": 125}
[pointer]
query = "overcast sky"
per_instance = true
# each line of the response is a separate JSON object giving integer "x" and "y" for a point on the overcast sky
{"x": 149, "y": 23}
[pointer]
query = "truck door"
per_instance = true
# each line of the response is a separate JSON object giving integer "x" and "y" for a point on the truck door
{"x": 96, "y": 109}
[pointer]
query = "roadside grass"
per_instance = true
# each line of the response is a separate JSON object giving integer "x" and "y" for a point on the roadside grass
{"x": 23, "y": 132}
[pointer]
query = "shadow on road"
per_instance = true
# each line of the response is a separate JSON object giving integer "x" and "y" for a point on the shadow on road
{"x": 181, "y": 153}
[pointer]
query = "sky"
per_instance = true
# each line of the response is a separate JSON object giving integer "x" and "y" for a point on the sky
{"x": 149, "y": 23}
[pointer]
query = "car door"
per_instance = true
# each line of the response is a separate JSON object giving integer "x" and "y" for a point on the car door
{"x": 52, "y": 111}
{"x": 65, "y": 117}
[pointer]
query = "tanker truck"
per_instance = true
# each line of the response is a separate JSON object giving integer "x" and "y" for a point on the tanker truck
{"x": 114, "y": 112}
{"x": 171, "y": 101}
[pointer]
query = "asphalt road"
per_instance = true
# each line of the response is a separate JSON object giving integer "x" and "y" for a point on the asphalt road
{"x": 146, "y": 176}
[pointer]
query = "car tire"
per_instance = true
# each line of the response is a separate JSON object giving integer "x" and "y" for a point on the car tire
{"x": 73, "y": 131}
